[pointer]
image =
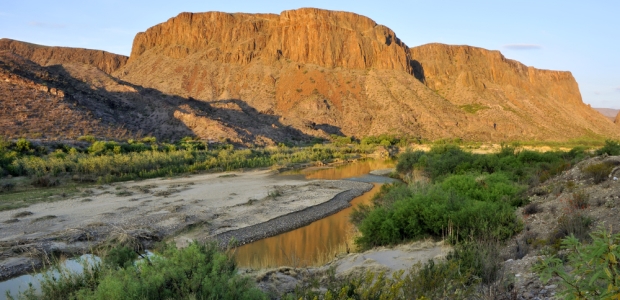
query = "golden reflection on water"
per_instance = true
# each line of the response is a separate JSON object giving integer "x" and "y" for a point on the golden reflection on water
{"x": 347, "y": 171}
{"x": 319, "y": 241}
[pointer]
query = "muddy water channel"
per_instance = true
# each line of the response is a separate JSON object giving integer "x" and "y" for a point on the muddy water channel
{"x": 320, "y": 241}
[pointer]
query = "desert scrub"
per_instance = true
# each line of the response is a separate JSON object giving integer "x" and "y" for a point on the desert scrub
{"x": 195, "y": 272}
{"x": 417, "y": 211}
{"x": 108, "y": 162}
{"x": 589, "y": 271}
{"x": 459, "y": 276}
{"x": 598, "y": 172}
{"x": 520, "y": 166}
{"x": 610, "y": 148}
{"x": 468, "y": 195}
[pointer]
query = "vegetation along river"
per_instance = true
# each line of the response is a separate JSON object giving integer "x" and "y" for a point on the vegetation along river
{"x": 314, "y": 244}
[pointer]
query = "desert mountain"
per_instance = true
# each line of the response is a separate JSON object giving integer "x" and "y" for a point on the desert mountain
{"x": 260, "y": 78}
{"x": 610, "y": 113}
{"x": 69, "y": 100}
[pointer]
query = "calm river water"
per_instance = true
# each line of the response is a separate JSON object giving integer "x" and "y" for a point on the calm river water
{"x": 319, "y": 241}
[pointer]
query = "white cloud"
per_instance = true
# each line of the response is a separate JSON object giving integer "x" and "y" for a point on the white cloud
{"x": 46, "y": 25}
{"x": 522, "y": 47}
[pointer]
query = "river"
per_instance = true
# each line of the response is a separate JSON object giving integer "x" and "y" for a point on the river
{"x": 318, "y": 242}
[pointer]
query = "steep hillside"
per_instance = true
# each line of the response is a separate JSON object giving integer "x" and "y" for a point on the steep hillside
{"x": 618, "y": 119}
{"x": 520, "y": 100}
{"x": 47, "y": 56}
{"x": 265, "y": 78}
{"x": 74, "y": 99}
{"x": 32, "y": 106}
{"x": 610, "y": 113}
{"x": 354, "y": 77}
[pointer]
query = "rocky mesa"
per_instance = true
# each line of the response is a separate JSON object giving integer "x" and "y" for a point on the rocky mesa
{"x": 264, "y": 78}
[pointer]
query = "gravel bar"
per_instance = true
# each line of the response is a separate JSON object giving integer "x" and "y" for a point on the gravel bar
{"x": 293, "y": 220}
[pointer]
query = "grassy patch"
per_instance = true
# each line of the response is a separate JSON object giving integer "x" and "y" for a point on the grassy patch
{"x": 473, "y": 108}
{"x": 44, "y": 218}
{"x": 124, "y": 193}
{"x": 31, "y": 195}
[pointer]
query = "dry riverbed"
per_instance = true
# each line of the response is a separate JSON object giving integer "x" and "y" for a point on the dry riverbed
{"x": 240, "y": 206}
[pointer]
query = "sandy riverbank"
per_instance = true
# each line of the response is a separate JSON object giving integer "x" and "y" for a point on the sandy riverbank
{"x": 243, "y": 205}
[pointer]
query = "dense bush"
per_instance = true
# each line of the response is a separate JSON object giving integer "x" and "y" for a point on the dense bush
{"x": 195, "y": 272}
{"x": 610, "y": 148}
{"x": 421, "y": 211}
{"x": 112, "y": 161}
{"x": 469, "y": 194}
{"x": 598, "y": 172}
{"x": 445, "y": 160}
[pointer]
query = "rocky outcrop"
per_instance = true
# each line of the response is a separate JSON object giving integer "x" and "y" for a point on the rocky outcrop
{"x": 347, "y": 75}
{"x": 46, "y": 56}
{"x": 514, "y": 97}
{"x": 325, "y": 38}
{"x": 265, "y": 78}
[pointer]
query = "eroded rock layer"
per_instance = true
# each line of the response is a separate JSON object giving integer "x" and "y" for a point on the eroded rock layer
{"x": 265, "y": 78}
{"x": 517, "y": 99}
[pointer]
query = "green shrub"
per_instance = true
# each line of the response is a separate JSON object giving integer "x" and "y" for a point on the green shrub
{"x": 195, "y": 272}
{"x": 87, "y": 138}
{"x": 408, "y": 160}
{"x": 572, "y": 224}
{"x": 590, "y": 271}
{"x": 23, "y": 145}
{"x": 486, "y": 187}
{"x": 598, "y": 172}
{"x": 579, "y": 200}
{"x": 610, "y": 148}
{"x": 433, "y": 211}
{"x": 120, "y": 257}
{"x": 481, "y": 258}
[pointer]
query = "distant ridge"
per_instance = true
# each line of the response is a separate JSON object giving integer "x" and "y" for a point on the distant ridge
{"x": 610, "y": 113}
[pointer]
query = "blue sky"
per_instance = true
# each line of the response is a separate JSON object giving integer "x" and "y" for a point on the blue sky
{"x": 579, "y": 36}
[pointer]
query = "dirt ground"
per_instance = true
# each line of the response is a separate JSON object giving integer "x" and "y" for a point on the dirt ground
{"x": 381, "y": 259}
{"x": 151, "y": 210}
{"x": 555, "y": 203}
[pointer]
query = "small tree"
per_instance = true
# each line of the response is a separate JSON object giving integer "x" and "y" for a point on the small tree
{"x": 592, "y": 270}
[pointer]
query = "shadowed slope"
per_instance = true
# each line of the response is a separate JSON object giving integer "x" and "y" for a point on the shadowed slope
{"x": 264, "y": 78}
{"x": 47, "y": 56}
